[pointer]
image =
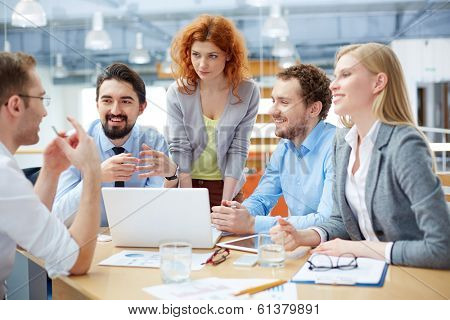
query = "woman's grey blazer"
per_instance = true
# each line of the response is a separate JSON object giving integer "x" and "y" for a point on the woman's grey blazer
{"x": 187, "y": 136}
{"x": 403, "y": 196}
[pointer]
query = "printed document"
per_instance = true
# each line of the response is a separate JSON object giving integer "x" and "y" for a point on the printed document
{"x": 221, "y": 289}
{"x": 148, "y": 259}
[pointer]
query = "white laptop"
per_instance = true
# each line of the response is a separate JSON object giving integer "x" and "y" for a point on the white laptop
{"x": 147, "y": 217}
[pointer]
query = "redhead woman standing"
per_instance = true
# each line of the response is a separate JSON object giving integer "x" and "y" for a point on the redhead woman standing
{"x": 211, "y": 108}
{"x": 388, "y": 202}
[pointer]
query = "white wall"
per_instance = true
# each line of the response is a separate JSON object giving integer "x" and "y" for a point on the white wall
{"x": 423, "y": 61}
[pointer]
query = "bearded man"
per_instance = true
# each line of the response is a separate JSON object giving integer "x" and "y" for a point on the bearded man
{"x": 121, "y": 99}
{"x": 300, "y": 168}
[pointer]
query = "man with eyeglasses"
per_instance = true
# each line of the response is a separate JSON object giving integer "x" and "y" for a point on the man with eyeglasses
{"x": 25, "y": 217}
{"x": 45, "y": 99}
{"x": 122, "y": 144}
{"x": 300, "y": 168}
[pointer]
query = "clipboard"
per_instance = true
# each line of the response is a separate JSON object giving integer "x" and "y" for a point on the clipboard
{"x": 370, "y": 273}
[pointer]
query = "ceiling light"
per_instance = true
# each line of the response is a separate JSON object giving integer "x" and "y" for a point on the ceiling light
{"x": 60, "y": 70}
{"x": 283, "y": 48}
{"x": 6, "y": 44}
{"x": 275, "y": 26}
{"x": 166, "y": 65}
{"x": 97, "y": 71}
{"x": 28, "y": 14}
{"x": 257, "y": 3}
{"x": 286, "y": 62}
{"x": 139, "y": 55}
{"x": 97, "y": 38}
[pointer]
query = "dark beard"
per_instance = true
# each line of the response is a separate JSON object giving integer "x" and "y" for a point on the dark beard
{"x": 293, "y": 132}
{"x": 299, "y": 131}
{"x": 115, "y": 133}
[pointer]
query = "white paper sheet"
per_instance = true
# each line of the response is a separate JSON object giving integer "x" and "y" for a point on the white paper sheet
{"x": 148, "y": 259}
{"x": 219, "y": 289}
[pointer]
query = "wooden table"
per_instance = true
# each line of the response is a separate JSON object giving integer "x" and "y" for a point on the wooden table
{"x": 126, "y": 283}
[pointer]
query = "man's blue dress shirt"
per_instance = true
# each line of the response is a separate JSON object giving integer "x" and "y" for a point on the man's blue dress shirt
{"x": 303, "y": 175}
{"x": 68, "y": 194}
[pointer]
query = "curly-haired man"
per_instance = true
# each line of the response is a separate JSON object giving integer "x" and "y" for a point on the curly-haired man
{"x": 300, "y": 169}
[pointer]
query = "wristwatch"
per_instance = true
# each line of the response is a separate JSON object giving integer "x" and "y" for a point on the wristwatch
{"x": 175, "y": 176}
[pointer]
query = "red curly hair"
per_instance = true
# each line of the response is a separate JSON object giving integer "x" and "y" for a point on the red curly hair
{"x": 222, "y": 33}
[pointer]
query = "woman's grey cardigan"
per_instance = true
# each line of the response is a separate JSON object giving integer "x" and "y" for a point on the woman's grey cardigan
{"x": 187, "y": 136}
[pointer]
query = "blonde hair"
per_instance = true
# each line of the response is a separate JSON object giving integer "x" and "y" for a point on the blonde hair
{"x": 392, "y": 105}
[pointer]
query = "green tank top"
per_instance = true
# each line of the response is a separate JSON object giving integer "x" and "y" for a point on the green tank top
{"x": 206, "y": 167}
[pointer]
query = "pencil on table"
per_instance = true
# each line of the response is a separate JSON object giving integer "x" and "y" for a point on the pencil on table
{"x": 260, "y": 288}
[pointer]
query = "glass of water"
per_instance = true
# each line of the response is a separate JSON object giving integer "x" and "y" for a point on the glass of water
{"x": 270, "y": 254}
{"x": 175, "y": 261}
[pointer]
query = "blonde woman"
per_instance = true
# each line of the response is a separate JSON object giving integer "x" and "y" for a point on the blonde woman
{"x": 388, "y": 203}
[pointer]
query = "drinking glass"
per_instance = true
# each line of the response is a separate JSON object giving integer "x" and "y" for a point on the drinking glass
{"x": 176, "y": 260}
{"x": 270, "y": 254}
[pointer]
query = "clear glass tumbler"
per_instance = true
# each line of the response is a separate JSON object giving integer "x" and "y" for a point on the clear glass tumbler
{"x": 270, "y": 253}
{"x": 176, "y": 260}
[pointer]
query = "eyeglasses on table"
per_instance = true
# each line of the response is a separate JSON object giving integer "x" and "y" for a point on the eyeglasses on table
{"x": 322, "y": 262}
{"x": 219, "y": 256}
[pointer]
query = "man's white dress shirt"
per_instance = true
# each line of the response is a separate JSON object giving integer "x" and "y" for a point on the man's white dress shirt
{"x": 26, "y": 221}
